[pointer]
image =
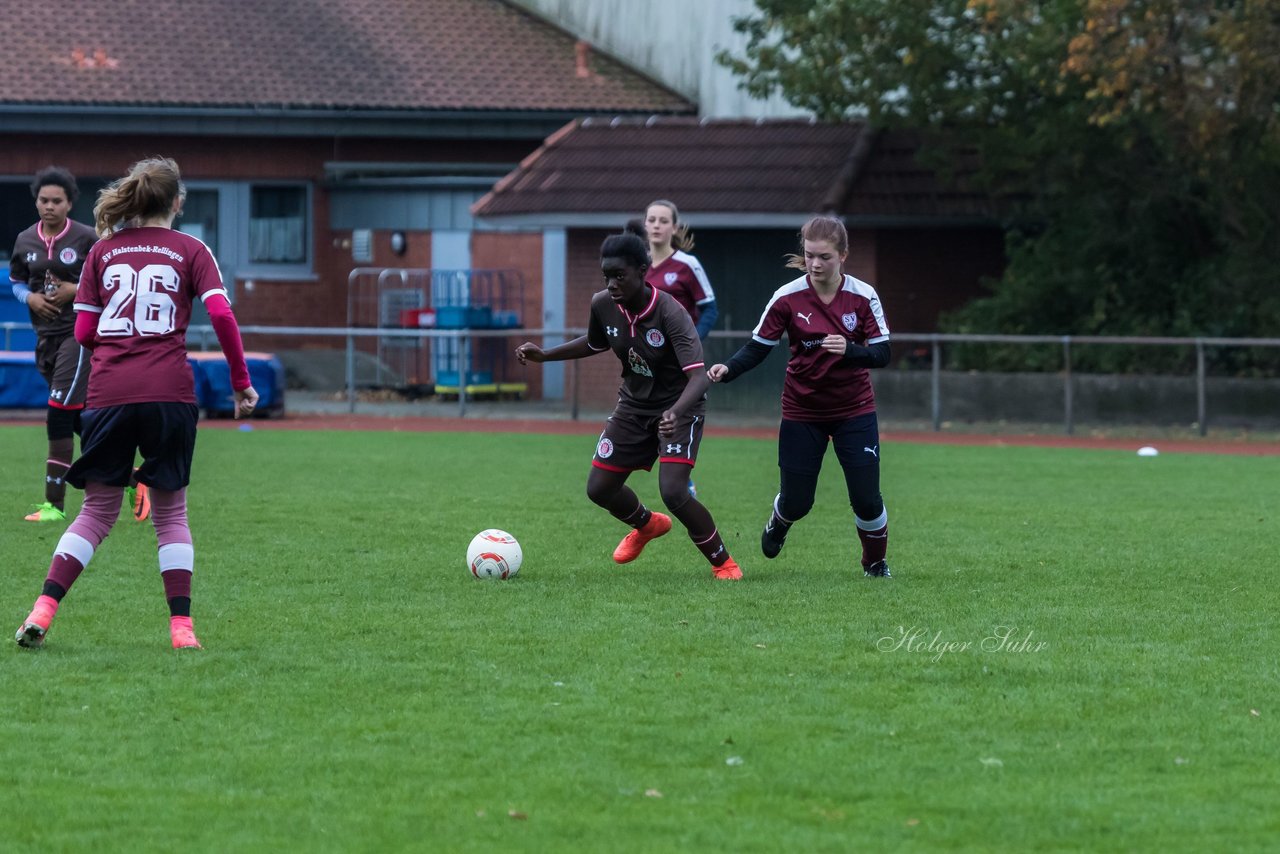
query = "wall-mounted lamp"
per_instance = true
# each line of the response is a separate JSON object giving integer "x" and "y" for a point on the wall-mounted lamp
{"x": 398, "y": 244}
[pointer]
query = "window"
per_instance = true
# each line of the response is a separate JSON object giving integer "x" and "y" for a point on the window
{"x": 277, "y": 225}
{"x": 200, "y": 217}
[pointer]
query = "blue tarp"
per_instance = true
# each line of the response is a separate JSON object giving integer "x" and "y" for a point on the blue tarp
{"x": 22, "y": 387}
{"x": 12, "y": 311}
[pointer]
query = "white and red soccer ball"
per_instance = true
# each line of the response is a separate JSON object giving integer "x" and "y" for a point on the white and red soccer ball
{"x": 494, "y": 554}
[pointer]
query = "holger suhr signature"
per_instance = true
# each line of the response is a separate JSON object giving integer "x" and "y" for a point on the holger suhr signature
{"x": 933, "y": 643}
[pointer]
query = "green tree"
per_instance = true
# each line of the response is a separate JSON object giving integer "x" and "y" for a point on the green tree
{"x": 1134, "y": 145}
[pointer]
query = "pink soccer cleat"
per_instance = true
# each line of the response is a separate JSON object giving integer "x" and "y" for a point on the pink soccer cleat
{"x": 36, "y": 626}
{"x": 183, "y": 633}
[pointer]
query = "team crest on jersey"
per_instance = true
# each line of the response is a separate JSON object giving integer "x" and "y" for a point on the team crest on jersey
{"x": 655, "y": 338}
{"x": 670, "y": 278}
{"x": 850, "y": 321}
{"x": 638, "y": 364}
{"x": 67, "y": 256}
{"x": 605, "y": 449}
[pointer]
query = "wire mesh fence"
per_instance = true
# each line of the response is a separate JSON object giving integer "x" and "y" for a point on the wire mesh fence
{"x": 924, "y": 383}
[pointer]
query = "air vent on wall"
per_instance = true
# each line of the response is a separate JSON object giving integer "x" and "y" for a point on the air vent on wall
{"x": 362, "y": 245}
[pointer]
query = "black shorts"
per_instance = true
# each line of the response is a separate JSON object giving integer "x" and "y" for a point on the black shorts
{"x": 802, "y": 444}
{"x": 64, "y": 364}
{"x": 164, "y": 432}
{"x": 630, "y": 441}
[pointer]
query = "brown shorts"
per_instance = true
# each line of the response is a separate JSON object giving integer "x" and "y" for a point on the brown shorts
{"x": 630, "y": 441}
{"x": 64, "y": 364}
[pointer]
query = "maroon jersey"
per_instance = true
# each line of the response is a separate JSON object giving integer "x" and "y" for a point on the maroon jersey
{"x": 656, "y": 348}
{"x": 142, "y": 283}
{"x": 682, "y": 276}
{"x": 818, "y": 386}
{"x": 64, "y": 255}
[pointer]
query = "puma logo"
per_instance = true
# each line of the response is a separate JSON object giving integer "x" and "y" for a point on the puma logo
{"x": 808, "y": 318}
{"x": 873, "y": 452}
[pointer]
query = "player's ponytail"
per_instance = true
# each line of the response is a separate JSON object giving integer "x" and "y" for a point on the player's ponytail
{"x": 826, "y": 228}
{"x": 149, "y": 190}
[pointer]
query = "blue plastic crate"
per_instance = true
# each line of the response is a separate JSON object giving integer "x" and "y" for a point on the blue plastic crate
{"x": 464, "y": 317}
{"x": 506, "y": 319}
{"x": 450, "y": 378}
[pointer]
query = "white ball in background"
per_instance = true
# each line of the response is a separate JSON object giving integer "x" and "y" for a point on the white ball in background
{"x": 1148, "y": 451}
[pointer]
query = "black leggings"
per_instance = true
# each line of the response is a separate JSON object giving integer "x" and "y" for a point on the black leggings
{"x": 801, "y": 447}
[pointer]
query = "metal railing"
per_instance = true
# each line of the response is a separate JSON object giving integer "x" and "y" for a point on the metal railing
{"x": 1066, "y": 342}
{"x": 202, "y": 336}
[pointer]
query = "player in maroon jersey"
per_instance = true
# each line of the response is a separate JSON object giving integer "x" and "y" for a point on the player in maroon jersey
{"x": 676, "y": 271}
{"x": 133, "y": 307}
{"x": 43, "y": 271}
{"x": 837, "y": 331}
{"x": 661, "y": 404}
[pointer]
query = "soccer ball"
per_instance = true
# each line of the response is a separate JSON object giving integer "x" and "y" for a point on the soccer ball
{"x": 494, "y": 554}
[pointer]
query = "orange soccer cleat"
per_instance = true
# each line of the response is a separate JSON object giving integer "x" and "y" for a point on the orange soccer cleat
{"x": 632, "y": 544}
{"x": 727, "y": 571}
{"x": 139, "y": 500}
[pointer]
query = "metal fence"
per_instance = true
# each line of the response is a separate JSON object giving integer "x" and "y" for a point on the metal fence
{"x": 758, "y": 391}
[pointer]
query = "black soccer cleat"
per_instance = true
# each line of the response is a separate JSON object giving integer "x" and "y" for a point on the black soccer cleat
{"x": 772, "y": 537}
{"x": 879, "y": 569}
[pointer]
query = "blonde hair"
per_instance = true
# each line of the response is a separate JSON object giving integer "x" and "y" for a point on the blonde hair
{"x": 826, "y": 228}
{"x": 682, "y": 237}
{"x": 149, "y": 190}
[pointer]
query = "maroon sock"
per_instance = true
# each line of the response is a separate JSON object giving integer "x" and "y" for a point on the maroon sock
{"x": 177, "y": 590}
{"x": 63, "y": 571}
{"x": 874, "y": 544}
{"x": 177, "y": 582}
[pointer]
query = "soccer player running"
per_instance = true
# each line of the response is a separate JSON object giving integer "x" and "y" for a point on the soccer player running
{"x": 661, "y": 404}
{"x": 837, "y": 330}
{"x": 676, "y": 271}
{"x": 133, "y": 307}
{"x": 43, "y": 271}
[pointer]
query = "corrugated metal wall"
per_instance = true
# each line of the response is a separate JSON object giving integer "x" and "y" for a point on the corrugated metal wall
{"x": 673, "y": 41}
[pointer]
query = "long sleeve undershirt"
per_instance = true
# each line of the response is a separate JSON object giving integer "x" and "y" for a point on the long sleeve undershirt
{"x": 753, "y": 353}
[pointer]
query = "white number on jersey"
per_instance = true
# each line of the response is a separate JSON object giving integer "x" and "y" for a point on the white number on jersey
{"x": 140, "y": 300}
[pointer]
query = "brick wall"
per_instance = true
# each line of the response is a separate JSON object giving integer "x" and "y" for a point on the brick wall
{"x": 316, "y": 301}
{"x": 861, "y": 263}
{"x": 599, "y": 375}
{"x": 521, "y": 252}
{"x": 921, "y": 273}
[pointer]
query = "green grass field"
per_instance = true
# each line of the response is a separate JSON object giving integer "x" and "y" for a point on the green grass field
{"x": 359, "y": 691}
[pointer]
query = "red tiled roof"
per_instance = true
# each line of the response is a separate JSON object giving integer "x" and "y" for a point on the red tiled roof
{"x": 894, "y": 183}
{"x": 318, "y": 54}
{"x": 730, "y": 170}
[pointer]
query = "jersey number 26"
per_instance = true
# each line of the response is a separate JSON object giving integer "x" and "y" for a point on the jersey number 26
{"x": 140, "y": 301}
